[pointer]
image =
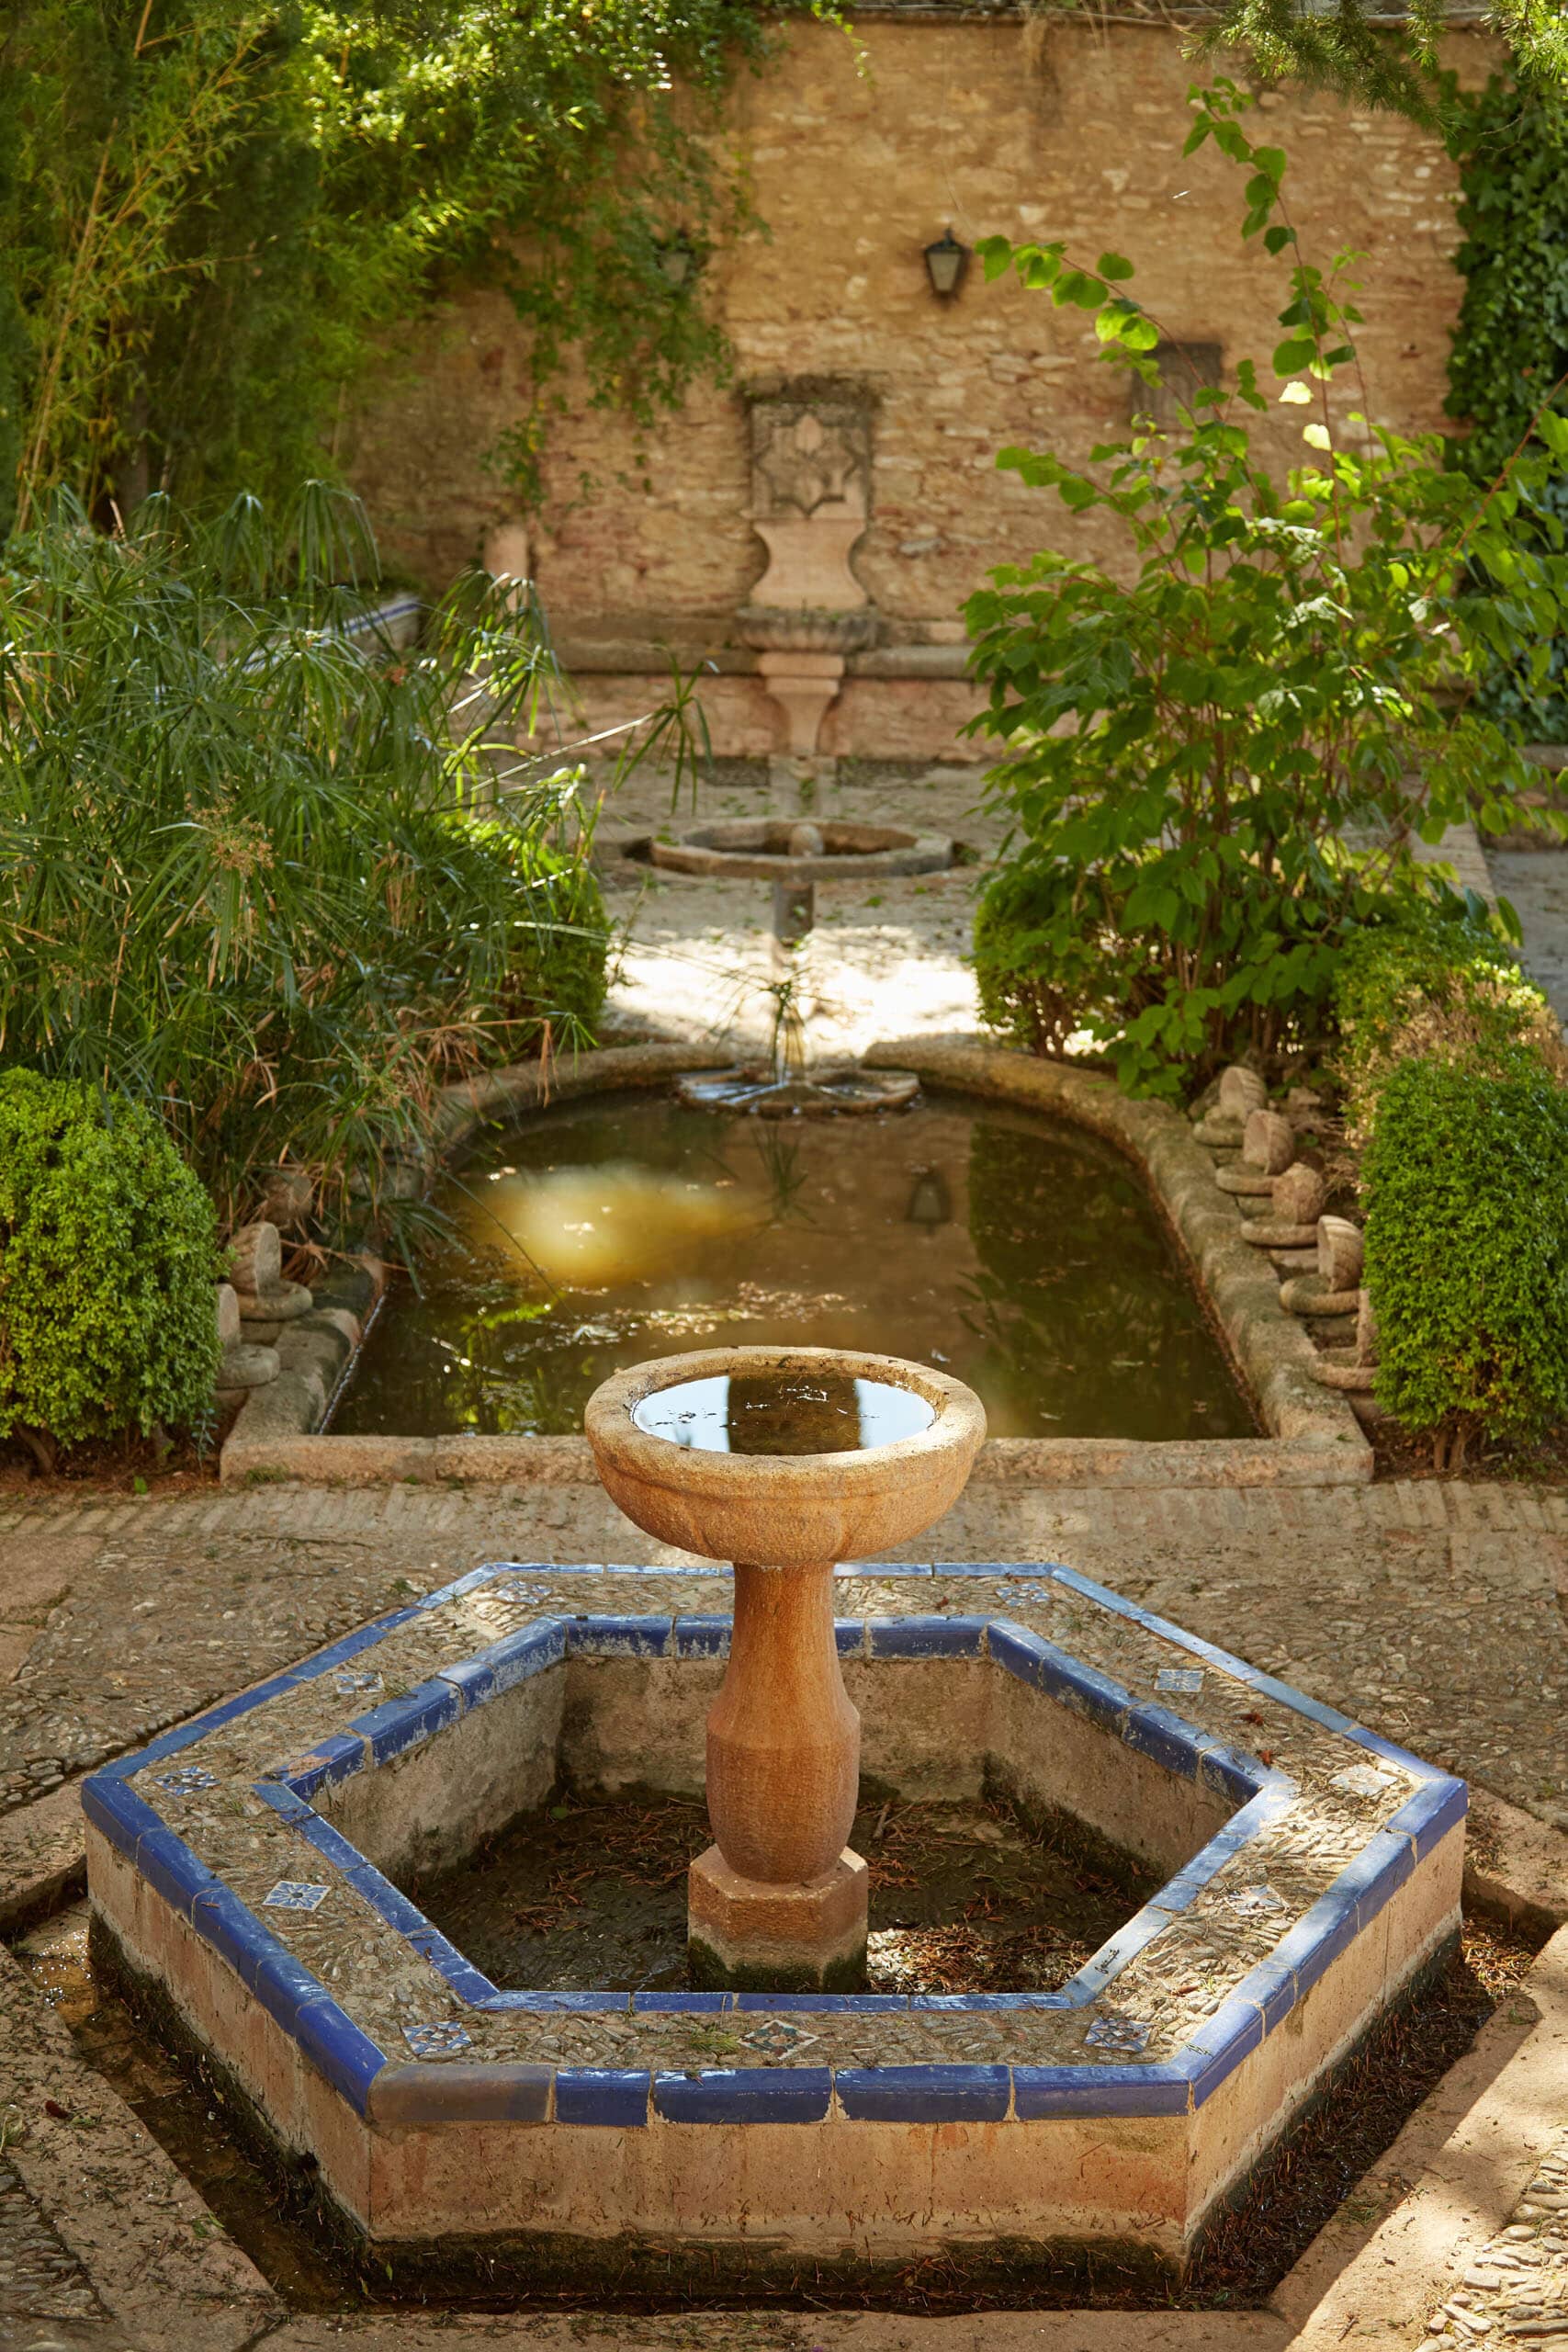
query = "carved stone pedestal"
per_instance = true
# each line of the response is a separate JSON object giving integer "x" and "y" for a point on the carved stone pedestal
{"x": 804, "y": 1936}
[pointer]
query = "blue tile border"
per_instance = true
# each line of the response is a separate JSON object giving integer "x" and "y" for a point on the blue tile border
{"x": 627, "y": 2099}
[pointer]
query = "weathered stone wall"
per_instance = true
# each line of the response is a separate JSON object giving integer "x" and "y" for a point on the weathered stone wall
{"x": 860, "y": 153}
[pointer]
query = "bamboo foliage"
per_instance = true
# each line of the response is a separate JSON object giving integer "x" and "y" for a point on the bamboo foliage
{"x": 252, "y": 870}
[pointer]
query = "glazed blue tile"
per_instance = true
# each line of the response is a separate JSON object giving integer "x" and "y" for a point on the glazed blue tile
{"x": 234, "y": 1932}
{"x": 1154, "y": 1731}
{"x": 1377, "y": 1874}
{"x": 562, "y": 2004}
{"x": 1318, "y": 1937}
{"x": 661, "y": 2004}
{"x": 1046, "y": 1667}
{"x": 1042, "y": 2091}
{"x": 339, "y": 1851}
{"x": 353, "y": 1645}
{"x": 170, "y": 1868}
{"x": 923, "y": 2094}
{"x": 466, "y": 1982}
{"x": 472, "y": 1679}
{"x": 1220, "y": 2045}
{"x": 1004, "y": 1571}
{"x": 849, "y": 1636}
{"x": 984, "y": 2001}
{"x": 865, "y": 2005}
{"x": 121, "y": 1815}
{"x": 925, "y": 1636}
{"x": 336, "y": 2047}
{"x": 284, "y": 1985}
{"x": 1435, "y": 1809}
{"x": 334, "y": 1759}
{"x": 702, "y": 1637}
{"x": 460, "y": 1584}
{"x": 1232, "y": 1771}
{"x": 622, "y": 1637}
{"x": 398, "y": 1725}
{"x": 883, "y": 1569}
{"x": 602, "y": 2094}
{"x": 745, "y": 2094}
{"x": 528, "y": 1651}
{"x": 1272, "y": 1987}
{"x": 282, "y": 1799}
{"x": 1105, "y": 1965}
{"x": 1375, "y": 1744}
{"x": 1103, "y": 1598}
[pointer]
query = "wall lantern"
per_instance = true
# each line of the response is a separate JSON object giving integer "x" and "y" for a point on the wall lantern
{"x": 677, "y": 260}
{"x": 946, "y": 262}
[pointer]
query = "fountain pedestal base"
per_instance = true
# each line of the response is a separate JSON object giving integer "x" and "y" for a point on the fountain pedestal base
{"x": 753, "y": 1937}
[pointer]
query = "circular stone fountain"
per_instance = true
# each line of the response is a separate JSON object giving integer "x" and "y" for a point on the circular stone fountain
{"x": 784, "y": 1462}
{"x": 796, "y": 851}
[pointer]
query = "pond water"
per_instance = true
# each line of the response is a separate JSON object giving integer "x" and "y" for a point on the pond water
{"x": 1021, "y": 1255}
{"x": 777, "y": 1413}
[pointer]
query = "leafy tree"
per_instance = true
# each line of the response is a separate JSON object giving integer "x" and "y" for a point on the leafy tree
{"x": 1217, "y": 772}
{"x": 209, "y": 212}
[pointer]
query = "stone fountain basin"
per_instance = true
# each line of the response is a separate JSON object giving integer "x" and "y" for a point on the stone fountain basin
{"x": 788, "y": 1511}
{"x": 758, "y": 849}
{"x": 1313, "y": 1870}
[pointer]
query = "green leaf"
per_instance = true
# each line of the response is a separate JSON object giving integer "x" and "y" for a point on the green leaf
{"x": 1114, "y": 266}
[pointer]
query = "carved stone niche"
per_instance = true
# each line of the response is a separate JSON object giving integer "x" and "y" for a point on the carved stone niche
{"x": 811, "y": 445}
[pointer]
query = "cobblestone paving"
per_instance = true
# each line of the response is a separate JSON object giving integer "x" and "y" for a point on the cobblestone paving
{"x": 40, "y": 2276}
{"x": 1433, "y": 1613}
{"x": 1517, "y": 2288}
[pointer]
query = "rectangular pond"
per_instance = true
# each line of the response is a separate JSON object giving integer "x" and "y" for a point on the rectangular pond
{"x": 1021, "y": 1254}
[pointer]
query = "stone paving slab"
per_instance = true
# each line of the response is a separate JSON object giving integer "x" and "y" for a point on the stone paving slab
{"x": 1431, "y": 1612}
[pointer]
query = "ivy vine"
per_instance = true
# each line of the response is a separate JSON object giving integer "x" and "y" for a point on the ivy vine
{"x": 1511, "y": 344}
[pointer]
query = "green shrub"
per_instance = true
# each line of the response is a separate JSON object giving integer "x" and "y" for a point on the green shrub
{"x": 554, "y": 970}
{"x": 107, "y": 1268}
{"x": 1241, "y": 693}
{"x": 1048, "y": 961}
{"x": 1466, "y": 1181}
{"x": 1441, "y": 984}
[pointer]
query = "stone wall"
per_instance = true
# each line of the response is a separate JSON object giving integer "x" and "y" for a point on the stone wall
{"x": 860, "y": 153}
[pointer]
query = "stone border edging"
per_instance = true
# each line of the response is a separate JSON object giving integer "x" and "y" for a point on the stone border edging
{"x": 277, "y": 1432}
{"x": 1316, "y": 1438}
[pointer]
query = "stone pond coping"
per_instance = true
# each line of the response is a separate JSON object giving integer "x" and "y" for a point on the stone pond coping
{"x": 1316, "y": 1438}
{"x": 1307, "y": 1882}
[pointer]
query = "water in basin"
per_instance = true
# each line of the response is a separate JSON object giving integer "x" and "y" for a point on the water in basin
{"x": 1014, "y": 1252}
{"x": 783, "y": 1413}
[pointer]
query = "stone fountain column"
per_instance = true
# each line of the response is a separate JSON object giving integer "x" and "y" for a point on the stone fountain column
{"x": 810, "y": 501}
{"x": 778, "y": 1900}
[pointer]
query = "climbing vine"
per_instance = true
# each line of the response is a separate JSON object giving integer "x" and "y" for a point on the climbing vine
{"x": 212, "y": 213}
{"x": 1511, "y": 344}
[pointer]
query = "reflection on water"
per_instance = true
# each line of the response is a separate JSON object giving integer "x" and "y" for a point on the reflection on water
{"x": 599, "y": 1227}
{"x": 783, "y": 1413}
{"x": 1021, "y": 1255}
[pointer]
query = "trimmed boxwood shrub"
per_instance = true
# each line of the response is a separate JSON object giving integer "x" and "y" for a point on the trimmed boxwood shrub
{"x": 1466, "y": 1181}
{"x": 107, "y": 1261}
{"x": 1439, "y": 984}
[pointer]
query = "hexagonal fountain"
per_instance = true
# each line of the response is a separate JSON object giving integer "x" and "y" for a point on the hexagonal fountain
{"x": 244, "y": 1873}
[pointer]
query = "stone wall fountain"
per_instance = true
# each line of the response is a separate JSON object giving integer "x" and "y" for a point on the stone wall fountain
{"x": 783, "y": 1464}
{"x": 810, "y": 501}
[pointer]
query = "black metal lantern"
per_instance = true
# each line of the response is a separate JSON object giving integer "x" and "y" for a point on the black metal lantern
{"x": 946, "y": 262}
{"x": 677, "y": 259}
